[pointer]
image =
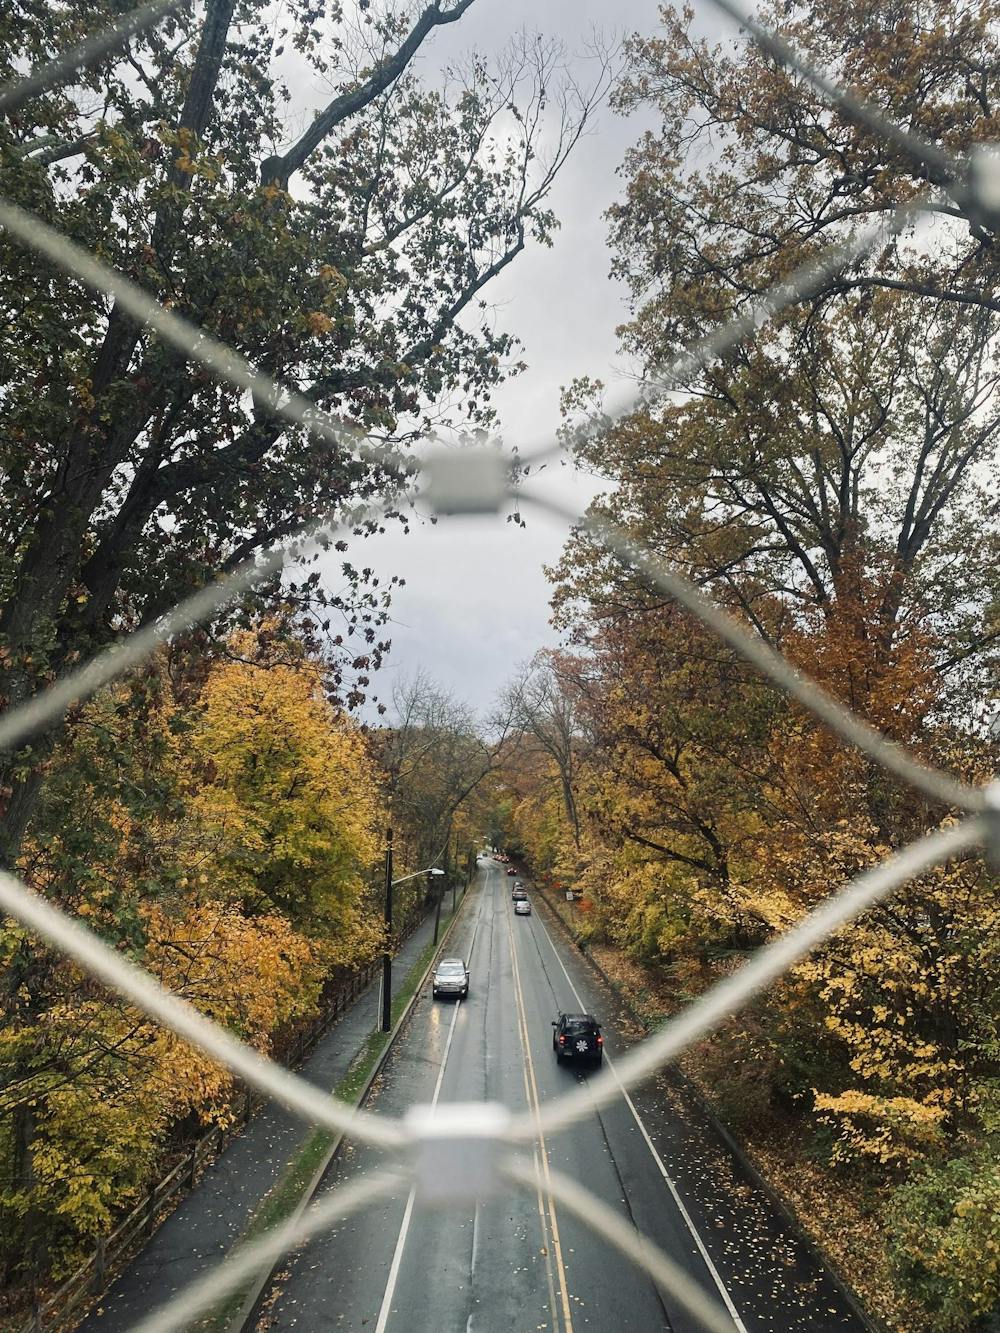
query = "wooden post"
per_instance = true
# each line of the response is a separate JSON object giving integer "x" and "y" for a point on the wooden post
{"x": 100, "y": 1265}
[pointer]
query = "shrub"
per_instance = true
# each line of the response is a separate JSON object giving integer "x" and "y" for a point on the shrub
{"x": 944, "y": 1224}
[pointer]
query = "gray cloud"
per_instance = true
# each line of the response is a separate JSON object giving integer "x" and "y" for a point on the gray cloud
{"x": 476, "y": 599}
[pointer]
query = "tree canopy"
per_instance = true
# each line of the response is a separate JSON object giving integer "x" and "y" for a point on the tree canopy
{"x": 349, "y": 260}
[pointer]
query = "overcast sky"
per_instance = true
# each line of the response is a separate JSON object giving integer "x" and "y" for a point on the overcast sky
{"x": 476, "y": 598}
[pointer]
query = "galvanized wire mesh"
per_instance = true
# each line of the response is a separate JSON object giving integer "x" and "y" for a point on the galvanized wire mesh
{"x": 481, "y": 481}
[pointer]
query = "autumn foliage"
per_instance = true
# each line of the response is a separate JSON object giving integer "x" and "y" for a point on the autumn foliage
{"x": 831, "y": 481}
{"x": 219, "y": 826}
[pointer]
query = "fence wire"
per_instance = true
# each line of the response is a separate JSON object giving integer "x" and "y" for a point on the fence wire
{"x": 475, "y": 482}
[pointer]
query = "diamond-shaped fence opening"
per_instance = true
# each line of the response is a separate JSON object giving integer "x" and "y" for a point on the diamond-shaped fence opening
{"x": 474, "y": 482}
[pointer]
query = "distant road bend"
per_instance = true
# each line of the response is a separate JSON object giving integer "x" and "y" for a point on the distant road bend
{"x": 518, "y": 1264}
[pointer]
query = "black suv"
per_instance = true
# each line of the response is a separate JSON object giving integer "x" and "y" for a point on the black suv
{"x": 577, "y": 1037}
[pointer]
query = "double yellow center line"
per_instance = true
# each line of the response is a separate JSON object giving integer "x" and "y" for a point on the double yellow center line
{"x": 546, "y": 1203}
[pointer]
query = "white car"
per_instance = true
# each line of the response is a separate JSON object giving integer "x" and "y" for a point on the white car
{"x": 522, "y": 907}
{"x": 451, "y": 977}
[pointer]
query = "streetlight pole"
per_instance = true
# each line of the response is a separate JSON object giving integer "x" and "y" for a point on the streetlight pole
{"x": 438, "y": 892}
{"x": 390, "y": 884}
{"x": 437, "y": 910}
{"x": 387, "y": 955}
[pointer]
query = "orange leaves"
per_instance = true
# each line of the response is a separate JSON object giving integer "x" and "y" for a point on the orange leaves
{"x": 251, "y": 975}
{"x": 318, "y": 323}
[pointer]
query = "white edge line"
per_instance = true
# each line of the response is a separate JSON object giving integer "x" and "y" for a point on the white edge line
{"x": 397, "y": 1257}
{"x": 686, "y": 1216}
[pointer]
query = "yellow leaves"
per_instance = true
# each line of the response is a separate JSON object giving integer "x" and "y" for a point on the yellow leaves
{"x": 226, "y": 841}
{"x": 332, "y": 277}
{"x": 101, "y": 1131}
{"x": 887, "y": 1129}
{"x": 248, "y": 974}
{"x": 294, "y": 796}
{"x": 318, "y": 323}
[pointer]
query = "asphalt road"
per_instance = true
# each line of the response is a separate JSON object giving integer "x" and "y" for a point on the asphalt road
{"x": 211, "y": 1218}
{"x": 519, "y": 1263}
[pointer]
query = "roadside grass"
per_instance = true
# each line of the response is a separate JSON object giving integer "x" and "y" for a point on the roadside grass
{"x": 281, "y": 1201}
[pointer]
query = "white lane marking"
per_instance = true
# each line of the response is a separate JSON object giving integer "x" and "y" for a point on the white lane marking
{"x": 397, "y": 1257}
{"x": 688, "y": 1221}
{"x": 541, "y": 1152}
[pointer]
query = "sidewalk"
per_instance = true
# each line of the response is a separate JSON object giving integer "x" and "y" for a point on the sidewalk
{"x": 206, "y": 1224}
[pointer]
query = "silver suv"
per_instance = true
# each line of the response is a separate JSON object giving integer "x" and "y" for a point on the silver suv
{"x": 451, "y": 978}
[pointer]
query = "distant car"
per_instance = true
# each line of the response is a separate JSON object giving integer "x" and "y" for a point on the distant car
{"x": 451, "y": 978}
{"x": 518, "y": 895}
{"x": 511, "y": 870}
{"x": 522, "y": 907}
{"x": 577, "y": 1037}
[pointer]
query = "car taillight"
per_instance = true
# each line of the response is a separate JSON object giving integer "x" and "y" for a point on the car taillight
{"x": 562, "y": 1039}
{"x": 600, "y": 1040}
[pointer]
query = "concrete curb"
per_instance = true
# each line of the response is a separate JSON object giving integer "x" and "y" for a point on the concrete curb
{"x": 262, "y": 1282}
{"x": 759, "y": 1181}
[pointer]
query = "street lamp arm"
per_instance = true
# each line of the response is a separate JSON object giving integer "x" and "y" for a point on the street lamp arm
{"x": 427, "y": 870}
{"x": 390, "y": 884}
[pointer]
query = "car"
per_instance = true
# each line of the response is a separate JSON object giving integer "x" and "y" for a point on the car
{"x": 511, "y": 870}
{"x": 451, "y": 977}
{"x": 522, "y": 907}
{"x": 577, "y": 1037}
{"x": 517, "y": 895}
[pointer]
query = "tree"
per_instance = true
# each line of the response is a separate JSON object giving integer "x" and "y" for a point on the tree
{"x": 537, "y": 705}
{"x": 104, "y": 1084}
{"x": 290, "y": 792}
{"x": 848, "y": 459}
{"x": 751, "y": 171}
{"x": 854, "y": 440}
{"x": 352, "y": 265}
{"x": 436, "y": 761}
{"x": 218, "y": 826}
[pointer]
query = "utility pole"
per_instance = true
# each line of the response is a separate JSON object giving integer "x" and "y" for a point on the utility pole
{"x": 387, "y": 955}
{"x": 439, "y": 893}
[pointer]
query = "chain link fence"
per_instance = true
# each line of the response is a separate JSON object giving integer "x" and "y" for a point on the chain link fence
{"x": 482, "y": 481}
{"x": 139, "y": 1223}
